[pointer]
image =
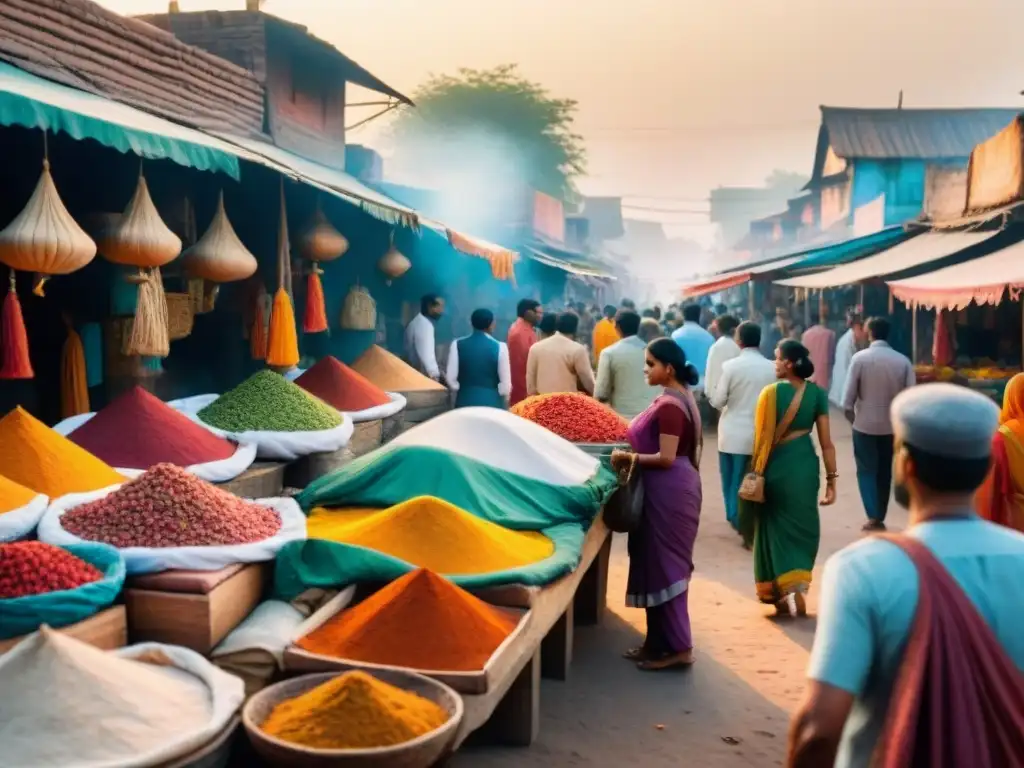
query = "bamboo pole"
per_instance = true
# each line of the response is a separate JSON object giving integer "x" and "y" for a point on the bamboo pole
{"x": 913, "y": 333}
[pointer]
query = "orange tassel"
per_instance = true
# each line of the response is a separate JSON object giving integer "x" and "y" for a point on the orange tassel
{"x": 258, "y": 333}
{"x": 14, "y": 358}
{"x": 315, "y": 318}
{"x": 74, "y": 389}
{"x": 283, "y": 343}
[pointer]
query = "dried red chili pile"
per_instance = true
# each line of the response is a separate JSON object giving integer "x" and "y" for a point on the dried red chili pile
{"x": 34, "y": 568}
{"x": 168, "y": 507}
{"x": 574, "y": 416}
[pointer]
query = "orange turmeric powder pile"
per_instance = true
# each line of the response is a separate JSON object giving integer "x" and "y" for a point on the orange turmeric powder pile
{"x": 420, "y": 621}
{"x": 35, "y": 456}
{"x": 354, "y": 711}
{"x": 14, "y": 495}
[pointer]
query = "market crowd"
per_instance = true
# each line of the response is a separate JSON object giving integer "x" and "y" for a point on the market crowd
{"x": 947, "y": 454}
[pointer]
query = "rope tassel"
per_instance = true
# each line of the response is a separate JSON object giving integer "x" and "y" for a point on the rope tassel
{"x": 15, "y": 362}
{"x": 315, "y": 318}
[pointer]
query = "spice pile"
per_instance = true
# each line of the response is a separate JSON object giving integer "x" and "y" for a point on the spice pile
{"x": 35, "y": 456}
{"x": 138, "y": 430}
{"x": 453, "y": 631}
{"x": 14, "y": 495}
{"x": 168, "y": 507}
{"x": 340, "y": 386}
{"x": 390, "y": 373}
{"x": 267, "y": 402}
{"x": 574, "y": 416}
{"x": 428, "y": 532}
{"x": 107, "y": 710}
{"x": 34, "y": 568}
{"x": 354, "y": 711}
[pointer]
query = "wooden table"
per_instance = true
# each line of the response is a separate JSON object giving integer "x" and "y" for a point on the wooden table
{"x": 262, "y": 480}
{"x": 511, "y": 709}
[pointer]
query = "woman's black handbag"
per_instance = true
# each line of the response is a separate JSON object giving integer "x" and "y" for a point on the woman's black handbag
{"x": 625, "y": 507}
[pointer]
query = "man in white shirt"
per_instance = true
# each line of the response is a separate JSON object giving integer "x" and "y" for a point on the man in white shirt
{"x": 723, "y": 350}
{"x": 420, "y": 349}
{"x": 478, "y": 366}
{"x": 735, "y": 395}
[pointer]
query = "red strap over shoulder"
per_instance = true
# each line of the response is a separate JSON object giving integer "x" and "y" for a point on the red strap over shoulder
{"x": 958, "y": 698}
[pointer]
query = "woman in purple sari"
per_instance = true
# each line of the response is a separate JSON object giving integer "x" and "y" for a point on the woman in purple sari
{"x": 667, "y": 440}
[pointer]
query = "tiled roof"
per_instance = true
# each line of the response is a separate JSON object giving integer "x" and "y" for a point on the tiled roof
{"x": 79, "y": 43}
{"x": 911, "y": 133}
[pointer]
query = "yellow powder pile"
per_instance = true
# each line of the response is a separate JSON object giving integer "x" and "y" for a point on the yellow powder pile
{"x": 391, "y": 373}
{"x": 431, "y": 533}
{"x": 354, "y": 711}
{"x": 36, "y": 457}
{"x": 14, "y": 495}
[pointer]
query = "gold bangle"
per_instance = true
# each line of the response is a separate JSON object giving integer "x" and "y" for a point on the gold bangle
{"x": 831, "y": 475}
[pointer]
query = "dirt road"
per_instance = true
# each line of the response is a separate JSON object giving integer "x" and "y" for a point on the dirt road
{"x": 732, "y": 708}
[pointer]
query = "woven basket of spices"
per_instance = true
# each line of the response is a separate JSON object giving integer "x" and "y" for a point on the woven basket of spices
{"x": 179, "y": 315}
{"x": 368, "y": 706}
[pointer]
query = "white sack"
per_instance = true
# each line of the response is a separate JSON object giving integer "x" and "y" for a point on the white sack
{"x": 219, "y": 471}
{"x": 274, "y": 446}
{"x": 20, "y": 522}
{"x": 385, "y": 411}
{"x": 155, "y": 559}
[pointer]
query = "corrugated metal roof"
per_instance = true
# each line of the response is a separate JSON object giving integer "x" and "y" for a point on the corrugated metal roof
{"x": 911, "y": 133}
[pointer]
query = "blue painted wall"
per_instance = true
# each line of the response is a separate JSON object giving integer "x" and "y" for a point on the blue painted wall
{"x": 901, "y": 181}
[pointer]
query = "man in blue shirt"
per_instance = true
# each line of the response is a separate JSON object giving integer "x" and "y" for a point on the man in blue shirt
{"x": 695, "y": 341}
{"x": 869, "y": 590}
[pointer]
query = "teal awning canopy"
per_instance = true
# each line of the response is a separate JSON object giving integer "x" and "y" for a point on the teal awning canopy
{"x": 848, "y": 250}
{"x": 34, "y": 102}
{"x": 573, "y": 268}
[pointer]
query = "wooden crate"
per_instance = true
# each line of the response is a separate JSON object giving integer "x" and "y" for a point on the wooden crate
{"x": 262, "y": 480}
{"x": 304, "y": 471}
{"x": 194, "y": 609}
{"x": 366, "y": 436}
{"x": 106, "y": 630}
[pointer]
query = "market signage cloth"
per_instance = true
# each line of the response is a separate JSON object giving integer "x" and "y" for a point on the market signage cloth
{"x": 396, "y": 473}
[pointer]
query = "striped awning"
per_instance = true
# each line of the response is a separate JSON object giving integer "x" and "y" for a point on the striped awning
{"x": 915, "y": 252}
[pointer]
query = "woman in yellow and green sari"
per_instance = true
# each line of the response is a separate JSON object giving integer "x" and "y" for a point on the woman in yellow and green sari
{"x": 784, "y": 529}
{"x": 1001, "y": 498}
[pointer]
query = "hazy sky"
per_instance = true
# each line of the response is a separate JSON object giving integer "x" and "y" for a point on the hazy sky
{"x": 679, "y": 96}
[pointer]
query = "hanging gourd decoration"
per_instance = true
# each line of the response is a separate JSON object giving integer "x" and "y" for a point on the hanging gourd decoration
{"x": 74, "y": 382}
{"x": 14, "y": 358}
{"x": 44, "y": 238}
{"x": 141, "y": 239}
{"x": 321, "y": 241}
{"x": 219, "y": 256}
{"x": 393, "y": 263}
{"x": 283, "y": 340}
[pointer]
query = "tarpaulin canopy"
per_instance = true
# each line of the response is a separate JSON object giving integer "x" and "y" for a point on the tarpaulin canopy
{"x": 726, "y": 280}
{"x": 34, "y": 102}
{"x": 983, "y": 281}
{"x": 581, "y": 270}
{"x": 915, "y": 252}
{"x": 341, "y": 184}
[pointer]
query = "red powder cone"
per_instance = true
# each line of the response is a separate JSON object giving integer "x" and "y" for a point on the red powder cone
{"x": 315, "y": 318}
{"x": 14, "y": 358}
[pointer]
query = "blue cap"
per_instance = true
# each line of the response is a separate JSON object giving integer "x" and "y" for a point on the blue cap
{"x": 945, "y": 420}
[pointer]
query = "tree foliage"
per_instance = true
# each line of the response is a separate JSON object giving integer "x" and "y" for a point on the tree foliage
{"x": 454, "y": 113}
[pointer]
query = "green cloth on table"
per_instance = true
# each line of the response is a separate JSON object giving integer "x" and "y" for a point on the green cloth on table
{"x": 394, "y": 474}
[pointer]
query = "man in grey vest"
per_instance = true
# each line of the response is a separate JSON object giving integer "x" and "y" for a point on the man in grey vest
{"x": 478, "y": 366}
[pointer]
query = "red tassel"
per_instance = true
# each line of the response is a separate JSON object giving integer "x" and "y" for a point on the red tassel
{"x": 14, "y": 359}
{"x": 315, "y": 318}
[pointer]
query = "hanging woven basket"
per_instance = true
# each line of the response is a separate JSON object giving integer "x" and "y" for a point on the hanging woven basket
{"x": 359, "y": 312}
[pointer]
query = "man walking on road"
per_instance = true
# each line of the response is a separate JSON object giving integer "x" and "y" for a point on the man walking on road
{"x": 695, "y": 341}
{"x": 560, "y": 363}
{"x": 876, "y": 603}
{"x": 735, "y": 395}
{"x": 724, "y": 349}
{"x": 620, "y": 372}
{"x": 521, "y": 336}
{"x": 877, "y": 375}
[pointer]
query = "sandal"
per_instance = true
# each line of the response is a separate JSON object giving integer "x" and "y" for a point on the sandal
{"x": 801, "y": 604}
{"x": 668, "y": 661}
{"x": 635, "y": 654}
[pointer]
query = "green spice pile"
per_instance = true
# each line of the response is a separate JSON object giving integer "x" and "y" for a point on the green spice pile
{"x": 34, "y": 568}
{"x": 267, "y": 402}
{"x": 168, "y": 507}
